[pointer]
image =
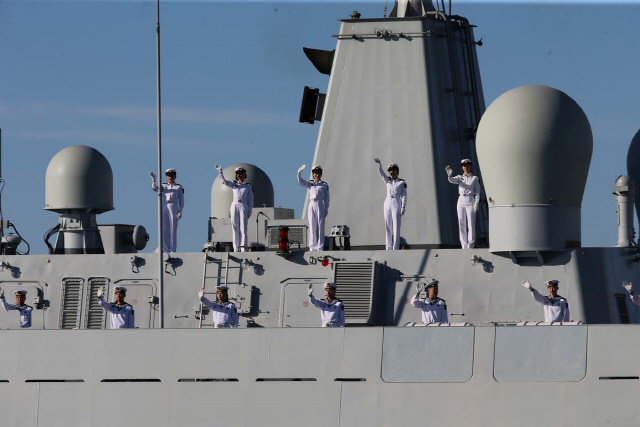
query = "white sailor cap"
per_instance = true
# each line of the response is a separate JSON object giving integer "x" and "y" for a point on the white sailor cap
{"x": 119, "y": 289}
{"x": 432, "y": 283}
{"x": 550, "y": 283}
{"x": 393, "y": 166}
{"x": 170, "y": 171}
{"x": 222, "y": 288}
{"x": 317, "y": 168}
{"x": 329, "y": 285}
{"x": 466, "y": 162}
{"x": 240, "y": 169}
{"x": 23, "y": 293}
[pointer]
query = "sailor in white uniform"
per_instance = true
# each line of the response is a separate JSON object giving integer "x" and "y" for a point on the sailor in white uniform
{"x": 331, "y": 309}
{"x": 224, "y": 311}
{"x": 434, "y": 309}
{"x": 318, "y": 206}
{"x": 394, "y": 204}
{"x": 556, "y": 308}
{"x": 468, "y": 202}
{"x": 172, "y": 206}
{"x": 241, "y": 207}
{"x": 635, "y": 298}
{"x": 20, "y": 306}
{"x": 122, "y": 313}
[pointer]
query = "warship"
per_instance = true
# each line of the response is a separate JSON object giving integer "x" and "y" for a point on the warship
{"x": 405, "y": 87}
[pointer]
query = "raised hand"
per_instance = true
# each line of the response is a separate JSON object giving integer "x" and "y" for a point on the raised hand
{"x": 310, "y": 291}
{"x": 628, "y": 286}
{"x": 100, "y": 292}
{"x": 200, "y": 293}
{"x": 377, "y": 160}
{"x": 419, "y": 287}
{"x": 449, "y": 170}
{"x": 219, "y": 168}
{"x": 152, "y": 175}
{"x": 1, "y": 293}
{"x": 301, "y": 168}
{"x": 526, "y": 284}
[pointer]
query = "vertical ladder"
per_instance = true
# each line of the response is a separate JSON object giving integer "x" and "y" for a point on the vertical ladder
{"x": 217, "y": 280}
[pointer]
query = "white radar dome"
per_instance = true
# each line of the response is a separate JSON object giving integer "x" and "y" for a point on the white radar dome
{"x": 79, "y": 178}
{"x": 633, "y": 167}
{"x": 534, "y": 145}
{"x": 222, "y": 196}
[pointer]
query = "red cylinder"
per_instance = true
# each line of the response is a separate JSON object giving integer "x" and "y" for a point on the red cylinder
{"x": 283, "y": 239}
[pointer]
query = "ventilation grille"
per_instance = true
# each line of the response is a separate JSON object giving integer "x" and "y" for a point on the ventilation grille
{"x": 70, "y": 303}
{"x": 296, "y": 234}
{"x": 355, "y": 284}
{"x": 95, "y": 314}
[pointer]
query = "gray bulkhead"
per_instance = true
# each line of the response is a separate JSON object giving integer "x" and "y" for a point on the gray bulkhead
{"x": 322, "y": 376}
{"x": 270, "y": 290}
{"x": 413, "y": 98}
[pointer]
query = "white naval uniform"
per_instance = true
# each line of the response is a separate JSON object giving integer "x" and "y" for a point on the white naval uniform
{"x": 555, "y": 309}
{"x": 331, "y": 313}
{"x": 172, "y": 205}
{"x": 25, "y": 312}
{"x": 394, "y": 203}
{"x": 317, "y": 211}
{"x": 122, "y": 316}
{"x": 469, "y": 196}
{"x": 433, "y": 311}
{"x": 241, "y": 209}
{"x": 224, "y": 314}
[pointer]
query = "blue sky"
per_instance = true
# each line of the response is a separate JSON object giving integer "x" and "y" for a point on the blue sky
{"x": 84, "y": 73}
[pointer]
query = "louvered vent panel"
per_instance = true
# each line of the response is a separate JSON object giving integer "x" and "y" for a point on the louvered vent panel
{"x": 296, "y": 234}
{"x": 94, "y": 316}
{"x": 70, "y": 303}
{"x": 355, "y": 284}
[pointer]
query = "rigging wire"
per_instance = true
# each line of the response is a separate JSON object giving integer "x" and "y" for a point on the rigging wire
{"x": 25, "y": 242}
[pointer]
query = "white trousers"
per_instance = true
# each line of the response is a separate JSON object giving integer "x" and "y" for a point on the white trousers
{"x": 239, "y": 220}
{"x": 316, "y": 214}
{"x": 170, "y": 227}
{"x": 392, "y": 215}
{"x": 467, "y": 226}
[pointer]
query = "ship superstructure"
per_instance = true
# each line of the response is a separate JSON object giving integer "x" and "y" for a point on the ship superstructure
{"x": 406, "y": 89}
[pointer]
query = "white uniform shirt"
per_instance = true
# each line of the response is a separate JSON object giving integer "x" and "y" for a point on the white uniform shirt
{"x": 171, "y": 194}
{"x": 25, "y": 313}
{"x": 224, "y": 314}
{"x": 318, "y": 191}
{"x": 433, "y": 311}
{"x": 396, "y": 188}
{"x": 555, "y": 309}
{"x": 242, "y": 193}
{"x": 331, "y": 313}
{"x": 122, "y": 316}
{"x": 468, "y": 186}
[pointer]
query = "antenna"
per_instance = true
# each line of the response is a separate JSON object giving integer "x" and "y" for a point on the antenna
{"x": 159, "y": 125}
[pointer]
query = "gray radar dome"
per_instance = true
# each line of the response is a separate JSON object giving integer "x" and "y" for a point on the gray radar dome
{"x": 222, "y": 196}
{"x": 79, "y": 178}
{"x": 534, "y": 145}
{"x": 633, "y": 166}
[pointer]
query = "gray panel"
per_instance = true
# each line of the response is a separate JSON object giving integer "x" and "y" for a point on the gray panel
{"x": 427, "y": 354}
{"x": 18, "y": 404}
{"x": 305, "y": 353}
{"x": 551, "y": 353}
{"x": 298, "y": 311}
